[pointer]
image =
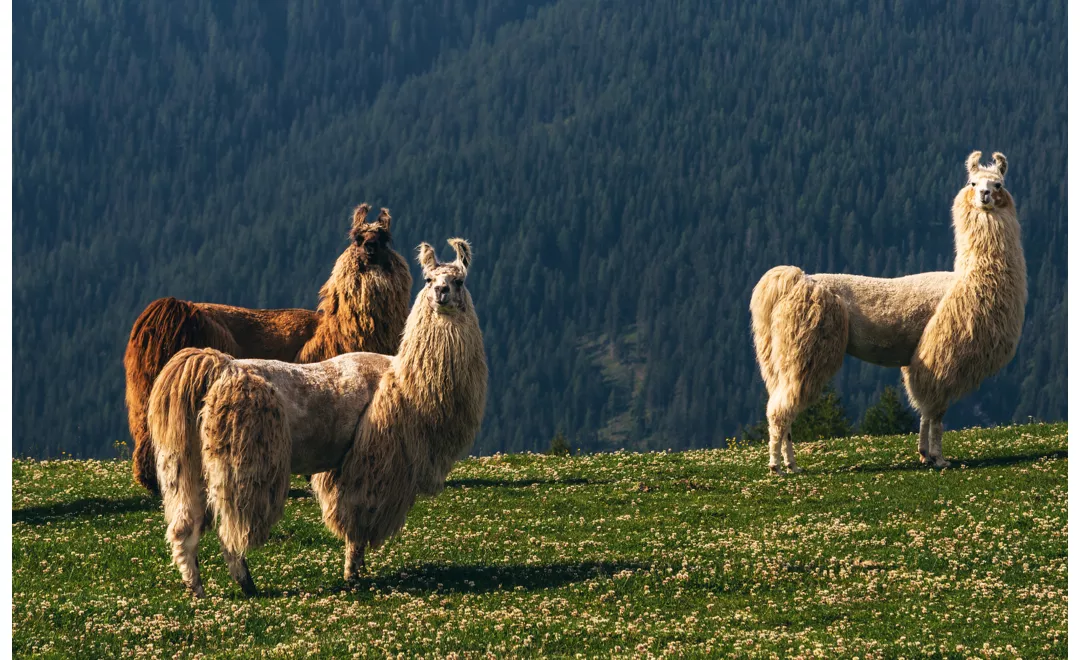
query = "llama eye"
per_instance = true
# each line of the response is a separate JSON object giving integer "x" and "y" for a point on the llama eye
{"x": 972, "y": 184}
{"x": 459, "y": 282}
{"x": 428, "y": 280}
{"x": 997, "y": 185}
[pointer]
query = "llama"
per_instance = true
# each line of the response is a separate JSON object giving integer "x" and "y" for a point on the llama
{"x": 946, "y": 331}
{"x": 362, "y": 307}
{"x": 423, "y": 417}
{"x": 375, "y": 430}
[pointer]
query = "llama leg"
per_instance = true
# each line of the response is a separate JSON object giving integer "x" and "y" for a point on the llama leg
{"x": 354, "y": 560}
{"x": 238, "y": 569}
{"x": 341, "y": 514}
{"x": 185, "y": 509}
{"x": 183, "y": 537}
{"x": 806, "y": 336}
{"x": 789, "y": 453}
{"x": 924, "y": 392}
{"x": 245, "y": 446}
{"x": 936, "y": 429}
{"x": 780, "y": 413}
{"x": 144, "y": 461}
{"x": 924, "y": 440}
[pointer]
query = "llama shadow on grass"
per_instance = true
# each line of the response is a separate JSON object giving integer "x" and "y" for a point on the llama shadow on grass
{"x": 471, "y": 578}
{"x": 478, "y": 578}
{"x": 103, "y": 506}
{"x": 959, "y": 463}
{"x": 86, "y": 507}
{"x": 1001, "y": 461}
{"x": 521, "y": 483}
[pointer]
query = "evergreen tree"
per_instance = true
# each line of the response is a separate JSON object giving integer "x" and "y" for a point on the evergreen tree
{"x": 824, "y": 419}
{"x": 559, "y": 445}
{"x": 888, "y": 416}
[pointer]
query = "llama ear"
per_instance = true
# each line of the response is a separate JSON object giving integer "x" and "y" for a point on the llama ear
{"x": 973, "y": 162}
{"x": 425, "y": 256}
{"x": 384, "y": 218}
{"x": 463, "y": 250}
{"x": 1002, "y": 164}
{"x": 359, "y": 215}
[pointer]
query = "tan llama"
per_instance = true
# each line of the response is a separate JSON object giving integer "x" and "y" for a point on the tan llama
{"x": 947, "y": 331}
{"x": 379, "y": 429}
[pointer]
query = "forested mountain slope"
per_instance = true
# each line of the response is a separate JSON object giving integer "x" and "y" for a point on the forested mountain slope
{"x": 625, "y": 170}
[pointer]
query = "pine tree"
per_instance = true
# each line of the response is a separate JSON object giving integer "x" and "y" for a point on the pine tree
{"x": 559, "y": 445}
{"x": 888, "y": 416}
{"x": 825, "y": 418}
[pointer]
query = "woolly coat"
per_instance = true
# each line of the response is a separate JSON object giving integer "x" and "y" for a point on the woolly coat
{"x": 976, "y": 327}
{"x": 361, "y": 308}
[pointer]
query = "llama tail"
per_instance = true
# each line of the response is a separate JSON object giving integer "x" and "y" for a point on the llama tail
{"x": 166, "y": 326}
{"x": 774, "y": 286}
{"x": 790, "y": 317}
{"x": 174, "y": 404}
{"x": 247, "y": 453}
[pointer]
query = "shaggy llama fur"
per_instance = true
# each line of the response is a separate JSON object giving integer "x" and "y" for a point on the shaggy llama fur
{"x": 947, "y": 331}
{"x": 424, "y": 416}
{"x": 362, "y": 307}
{"x": 381, "y": 430}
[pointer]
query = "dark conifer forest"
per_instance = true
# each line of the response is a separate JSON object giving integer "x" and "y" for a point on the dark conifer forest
{"x": 626, "y": 170}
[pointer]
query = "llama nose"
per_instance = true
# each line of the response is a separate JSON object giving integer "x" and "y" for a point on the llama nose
{"x": 442, "y": 293}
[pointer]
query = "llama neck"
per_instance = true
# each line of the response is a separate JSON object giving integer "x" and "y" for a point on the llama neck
{"x": 440, "y": 377}
{"x": 437, "y": 357}
{"x": 360, "y": 309}
{"x": 988, "y": 248}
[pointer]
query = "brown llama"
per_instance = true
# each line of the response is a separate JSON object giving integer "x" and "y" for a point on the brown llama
{"x": 378, "y": 430}
{"x": 947, "y": 331}
{"x": 362, "y": 307}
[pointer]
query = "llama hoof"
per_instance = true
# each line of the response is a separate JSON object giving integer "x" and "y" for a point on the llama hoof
{"x": 940, "y": 463}
{"x": 794, "y": 469}
{"x": 249, "y": 589}
{"x": 353, "y": 579}
{"x": 354, "y": 567}
{"x": 355, "y": 571}
{"x": 197, "y": 590}
{"x": 238, "y": 570}
{"x": 247, "y": 585}
{"x": 776, "y": 470}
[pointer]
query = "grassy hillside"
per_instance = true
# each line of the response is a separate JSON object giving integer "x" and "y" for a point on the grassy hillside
{"x": 867, "y": 554}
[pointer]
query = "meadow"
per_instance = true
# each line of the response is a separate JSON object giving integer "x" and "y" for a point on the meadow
{"x": 867, "y": 554}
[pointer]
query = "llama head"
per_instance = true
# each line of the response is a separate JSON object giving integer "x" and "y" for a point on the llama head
{"x": 371, "y": 241}
{"x": 986, "y": 183}
{"x": 444, "y": 288}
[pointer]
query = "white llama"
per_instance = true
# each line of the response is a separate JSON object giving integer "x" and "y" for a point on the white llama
{"x": 947, "y": 331}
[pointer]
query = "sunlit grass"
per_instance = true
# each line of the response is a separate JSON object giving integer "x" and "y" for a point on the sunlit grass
{"x": 866, "y": 554}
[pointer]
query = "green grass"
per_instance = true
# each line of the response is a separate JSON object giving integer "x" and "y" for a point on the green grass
{"x": 866, "y": 554}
